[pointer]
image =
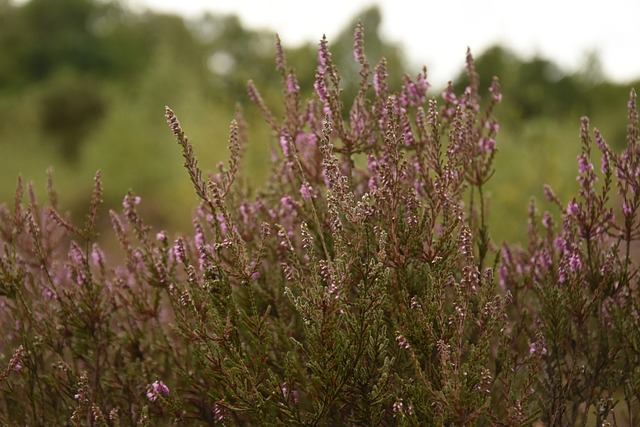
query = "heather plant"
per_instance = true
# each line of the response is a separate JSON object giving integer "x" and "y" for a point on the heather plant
{"x": 356, "y": 287}
{"x": 576, "y": 286}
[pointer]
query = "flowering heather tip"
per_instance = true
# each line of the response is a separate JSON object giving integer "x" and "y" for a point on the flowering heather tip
{"x": 173, "y": 122}
{"x": 161, "y": 236}
{"x": 493, "y": 126}
{"x": 414, "y": 93}
{"x": 97, "y": 256}
{"x": 76, "y": 255}
{"x": 305, "y": 191}
{"x": 47, "y": 293}
{"x": 199, "y": 238}
{"x": 487, "y": 144}
{"x": 402, "y": 342}
{"x": 494, "y": 90}
{"x": 220, "y": 413}
{"x": 16, "y": 363}
{"x": 178, "y": 251}
{"x": 503, "y": 277}
{"x": 324, "y": 56}
{"x": 448, "y": 95}
{"x": 130, "y": 201}
{"x": 252, "y": 92}
{"x": 222, "y": 223}
{"x": 321, "y": 88}
{"x": 380, "y": 78}
{"x": 537, "y": 348}
{"x": 284, "y": 144}
{"x": 157, "y": 389}
{"x": 605, "y": 166}
{"x": 560, "y": 244}
{"x": 280, "y": 63}
{"x": 358, "y": 44}
{"x": 573, "y": 209}
{"x": 549, "y": 194}
{"x": 584, "y": 165}
{"x": 292, "y": 84}
{"x": 575, "y": 264}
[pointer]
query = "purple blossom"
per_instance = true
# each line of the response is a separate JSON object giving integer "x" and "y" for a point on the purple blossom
{"x": 47, "y": 293}
{"x": 545, "y": 260}
{"x": 324, "y": 56}
{"x": 573, "y": 209}
{"x": 449, "y": 95}
{"x": 560, "y": 243}
{"x": 380, "y": 78}
{"x": 222, "y": 223}
{"x": 158, "y": 388}
{"x": 494, "y": 89}
{"x": 220, "y": 413}
{"x": 414, "y": 93}
{"x": 574, "y": 262}
{"x": 372, "y": 184}
{"x": 537, "y": 348}
{"x": 305, "y": 191}
{"x": 288, "y": 203}
{"x": 584, "y": 165}
{"x": 130, "y": 201}
{"x": 402, "y": 342}
{"x": 76, "y": 255}
{"x": 244, "y": 211}
{"x": 178, "y": 251}
{"x": 503, "y": 276}
{"x": 549, "y": 194}
{"x": 161, "y": 236}
{"x": 97, "y": 256}
{"x": 284, "y": 144}
{"x": 605, "y": 167}
{"x": 285, "y": 243}
{"x": 487, "y": 144}
{"x": 321, "y": 88}
{"x": 292, "y": 84}
{"x": 493, "y": 126}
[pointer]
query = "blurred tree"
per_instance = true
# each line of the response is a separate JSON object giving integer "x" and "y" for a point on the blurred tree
{"x": 59, "y": 33}
{"x": 71, "y": 105}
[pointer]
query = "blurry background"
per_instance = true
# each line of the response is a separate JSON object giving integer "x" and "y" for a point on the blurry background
{"x": 83, "y": 85}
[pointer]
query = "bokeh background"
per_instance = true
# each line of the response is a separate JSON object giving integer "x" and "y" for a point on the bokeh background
{"x": 83, "y": 85}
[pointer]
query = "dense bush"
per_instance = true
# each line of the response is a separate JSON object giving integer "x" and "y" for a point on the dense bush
{"x": 356, "y": 288}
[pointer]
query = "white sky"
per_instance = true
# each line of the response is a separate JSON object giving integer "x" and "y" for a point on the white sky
{"x": 436, "y": 33}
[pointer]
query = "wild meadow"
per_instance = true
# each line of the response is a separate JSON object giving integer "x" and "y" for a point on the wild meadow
{"x": 359, "y": 284}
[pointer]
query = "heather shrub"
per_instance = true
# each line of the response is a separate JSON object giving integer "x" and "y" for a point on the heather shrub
{"x": 356, "y": 287}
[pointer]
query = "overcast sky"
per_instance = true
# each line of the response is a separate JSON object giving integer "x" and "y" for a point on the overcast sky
{"x": 437, "y": 33}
